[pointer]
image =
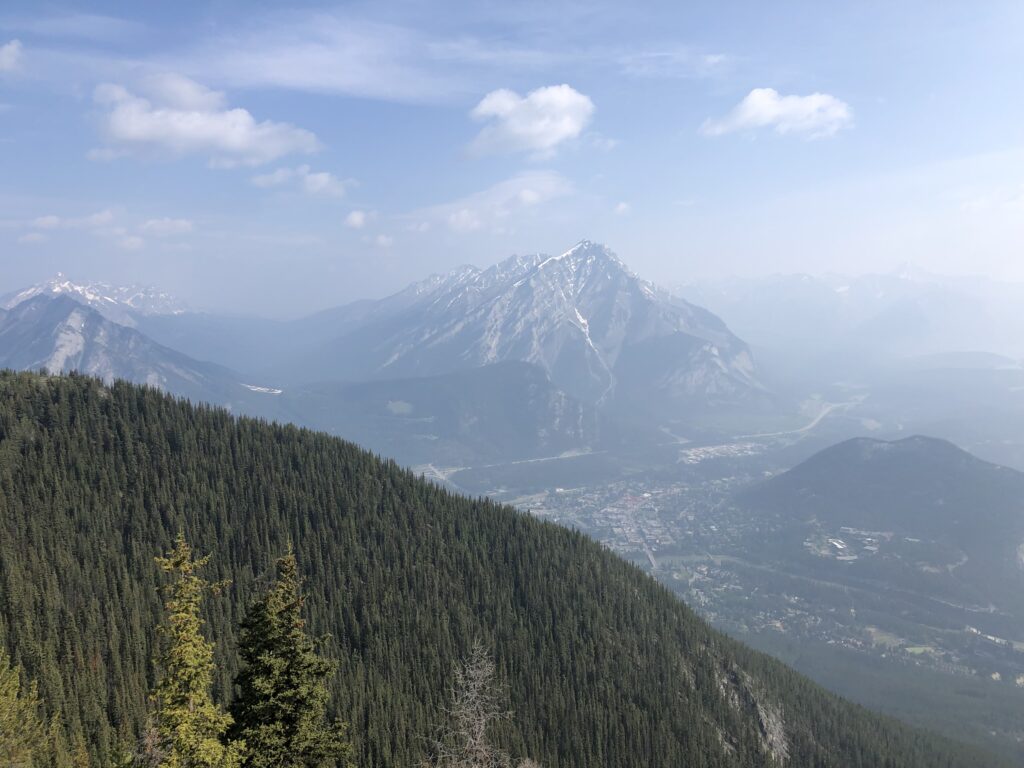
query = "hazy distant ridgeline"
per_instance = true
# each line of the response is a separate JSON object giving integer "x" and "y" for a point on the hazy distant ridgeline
{"x": 964, "y": 516}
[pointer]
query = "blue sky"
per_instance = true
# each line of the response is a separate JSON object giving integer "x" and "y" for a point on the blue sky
{"x": 282, "y": 158}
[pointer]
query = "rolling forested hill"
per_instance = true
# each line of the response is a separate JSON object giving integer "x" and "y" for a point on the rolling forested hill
{"x": 603, "y": 666}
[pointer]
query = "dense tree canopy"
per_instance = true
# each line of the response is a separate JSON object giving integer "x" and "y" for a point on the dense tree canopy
{"x": 602, "y": 665}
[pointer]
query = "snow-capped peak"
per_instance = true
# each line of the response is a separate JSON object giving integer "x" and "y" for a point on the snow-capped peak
{"x": 116, "y": 303}
{"x": 575, "y": 314}
{"x": 913, "y": 273}
{"x": 586, "y": 250}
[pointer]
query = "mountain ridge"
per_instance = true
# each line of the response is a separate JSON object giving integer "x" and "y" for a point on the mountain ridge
{"x": 574, "y": 314}
{"x": 61, "y": 334}
{"x": 402, "y": 577}
{"x": 939, "y": 518}
{"x": 603, "y": 337}
{"x": 121, "y": 304}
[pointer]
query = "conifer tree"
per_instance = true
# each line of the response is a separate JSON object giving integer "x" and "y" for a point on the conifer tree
{"x": 56, "y": 751}
{"x": 282, "y": 685}
{"x": 189, "y": 727}
{"x": 21, "y": 729}
{"x": 80, "y": 755}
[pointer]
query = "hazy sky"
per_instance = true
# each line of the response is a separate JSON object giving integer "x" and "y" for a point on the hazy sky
{"x": 283, "y": 160}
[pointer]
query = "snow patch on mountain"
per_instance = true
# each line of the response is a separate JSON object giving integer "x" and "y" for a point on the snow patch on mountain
{"x": 263, "y": 390}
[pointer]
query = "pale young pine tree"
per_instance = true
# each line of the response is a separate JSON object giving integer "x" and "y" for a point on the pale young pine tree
{"x": 22, "y": 731}
{"x": 189, "y": 727}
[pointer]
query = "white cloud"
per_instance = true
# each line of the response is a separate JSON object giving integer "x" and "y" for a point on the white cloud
{"x": 93, "y": 221}
{"x": 79, "y": 26}
{"x": 166, "y": 227}
{"x": 622, "y": 208}
{"x": 537, "y": 122}
{"x": 356, "y": 219}
{"x": 121, "y": 237}
{"x": 465, "y": 220}
{"x": 130, "y": 242}
{"x": 188, "y": 118}
{"x": 274, "y": 178}
{"x": 384, "y": 241}
{"x": 312, "y": 182}
{"x": 603, "y": 143}
{"x": 103, "y": 224}
{"x": 322, "y": 183}
{"x": 180, "y": 92}
{"x": 342, "y": 51}
{"x": 47, "y": 222}
{"x": 679, "y": 62}
{"x": 814, "y": 116}
{"x": 10, "y": 56}
{"x": 324, "y": 53}
{"x": 496, "y": 207}
{"x": 100, "y": 224}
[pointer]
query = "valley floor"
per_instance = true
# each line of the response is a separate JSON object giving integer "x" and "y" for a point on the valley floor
{"x": 893, "y": 649}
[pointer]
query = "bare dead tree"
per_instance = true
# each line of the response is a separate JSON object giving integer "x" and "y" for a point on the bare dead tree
{"x": 476, "y": 707}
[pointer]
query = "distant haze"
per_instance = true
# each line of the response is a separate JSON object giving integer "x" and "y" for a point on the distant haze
{"x": 279, "y": 161}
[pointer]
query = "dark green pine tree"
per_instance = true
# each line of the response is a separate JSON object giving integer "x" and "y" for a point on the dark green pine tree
{"x": 282, "y": 685}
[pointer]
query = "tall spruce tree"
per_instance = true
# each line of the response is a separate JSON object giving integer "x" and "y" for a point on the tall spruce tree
{"x": 22, "y": 731}
{"x": 282, "y": 685}
{"x": 189, "y": 727}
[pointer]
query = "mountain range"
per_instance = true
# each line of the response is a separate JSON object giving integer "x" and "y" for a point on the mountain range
{"x": 869, "y": 318}
{"x": 598, "y": 331}
{"x": 121, "y": 304}
{"x": 610, "y": 353}
{"x": 59, "y": 333}
{"x": 574, "y": 357}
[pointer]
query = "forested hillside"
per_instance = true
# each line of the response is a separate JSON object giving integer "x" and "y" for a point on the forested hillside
{"x": 603, "y": 666}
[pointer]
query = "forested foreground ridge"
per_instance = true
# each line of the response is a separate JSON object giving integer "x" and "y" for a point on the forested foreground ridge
{"x": 600, "y": 665}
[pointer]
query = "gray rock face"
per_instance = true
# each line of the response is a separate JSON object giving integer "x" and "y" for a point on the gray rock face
{"x": 601, "y": 333}
{"x": 59, "y": 334}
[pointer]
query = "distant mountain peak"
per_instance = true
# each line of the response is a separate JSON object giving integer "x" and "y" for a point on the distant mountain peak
{"x": 116, "y": 303}
{"x": 912, "y": 273}
{"x": 60, "y": 332}
{"x": 600, "y": 332}
{"x": 587, "y": 250}
{"x": 586, "y": 263}
{"x": 590, "y": 248}
{"x": 922, "y": 446}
